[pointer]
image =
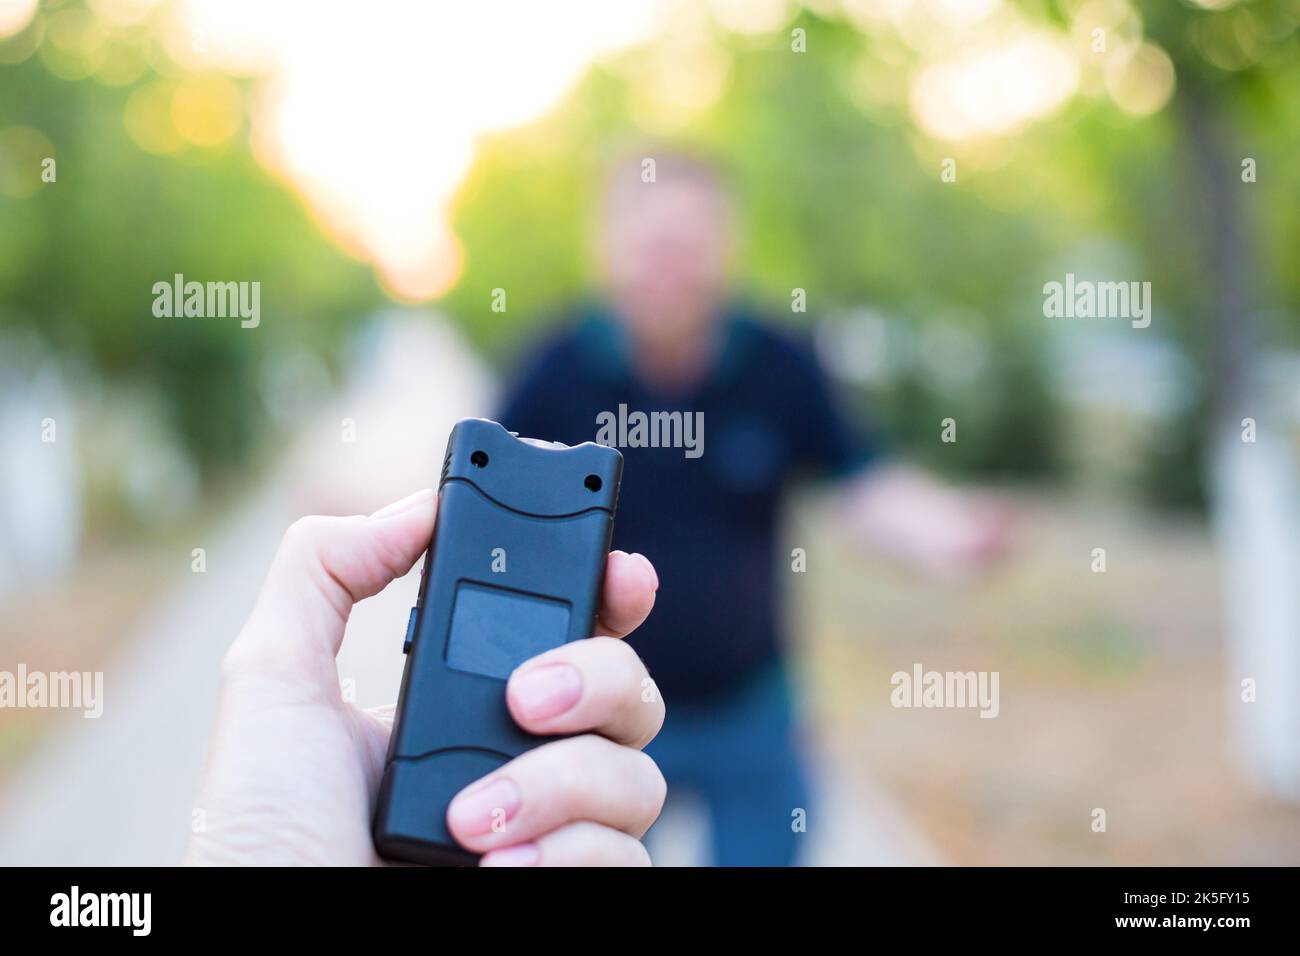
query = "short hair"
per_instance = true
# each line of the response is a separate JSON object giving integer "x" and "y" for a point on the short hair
{"x": 671, "y": 165}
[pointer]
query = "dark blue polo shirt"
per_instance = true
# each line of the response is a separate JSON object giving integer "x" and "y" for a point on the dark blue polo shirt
{"x": 708, "y": 523}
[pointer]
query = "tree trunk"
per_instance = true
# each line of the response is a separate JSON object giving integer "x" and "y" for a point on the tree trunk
{"x": 1252, "y": 485}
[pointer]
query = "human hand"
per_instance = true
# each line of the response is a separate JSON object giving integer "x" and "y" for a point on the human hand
{"x": 944, "y": 533}
{"x": 293, "y": 769}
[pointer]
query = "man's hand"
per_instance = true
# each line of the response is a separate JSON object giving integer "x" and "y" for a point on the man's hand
{"x": 944, "y": 533}
{"x": 293, "y": 769}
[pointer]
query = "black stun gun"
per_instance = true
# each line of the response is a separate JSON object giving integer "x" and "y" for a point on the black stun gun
{"x": 515, "y": 568}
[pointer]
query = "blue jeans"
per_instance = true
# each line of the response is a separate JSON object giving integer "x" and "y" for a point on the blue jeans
{"x": 741, "y": 755}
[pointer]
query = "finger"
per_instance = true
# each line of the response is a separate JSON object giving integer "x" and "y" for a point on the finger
{"x": 581, "y": 778}
{"x": 595, "y": 685}
{"x": 578, "y": 844}
{"x": 324, "y": 566}
{"x": 630, "y": 586}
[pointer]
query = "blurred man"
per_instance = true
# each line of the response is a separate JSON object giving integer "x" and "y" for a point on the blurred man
{"x": 666, "y": 337}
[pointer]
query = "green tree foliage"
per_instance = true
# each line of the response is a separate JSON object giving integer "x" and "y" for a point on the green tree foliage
{"x": 79, "y": 258}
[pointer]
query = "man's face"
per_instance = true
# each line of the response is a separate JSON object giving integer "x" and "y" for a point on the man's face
{"x": 666, "y": 247}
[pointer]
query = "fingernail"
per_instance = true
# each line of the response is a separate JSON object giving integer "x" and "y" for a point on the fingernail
{"x": 654, "y": 575}
{"x": 404, "y": 505}
{"x": 525, "y": 854}
{"x": 485, "y": 810}
{"x": 547, "y": 691}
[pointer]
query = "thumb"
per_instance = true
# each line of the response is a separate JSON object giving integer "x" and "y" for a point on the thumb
{"x": 323, "y": 567}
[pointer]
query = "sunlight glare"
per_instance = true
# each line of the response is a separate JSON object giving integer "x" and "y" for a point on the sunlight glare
{"x": 995, "y": 90}
{"x": 372, "y": 111}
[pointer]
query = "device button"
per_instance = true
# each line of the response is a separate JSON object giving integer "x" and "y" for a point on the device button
{"x": 410, "y": 631}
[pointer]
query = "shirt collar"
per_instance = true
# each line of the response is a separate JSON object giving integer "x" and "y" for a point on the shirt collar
{"x": 604, "y": 346}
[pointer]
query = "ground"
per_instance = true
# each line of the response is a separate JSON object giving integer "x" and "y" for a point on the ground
{"x": 1112, "y": 690}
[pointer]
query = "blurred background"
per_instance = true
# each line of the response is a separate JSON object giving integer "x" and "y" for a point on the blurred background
{"x": 382, "y": 168}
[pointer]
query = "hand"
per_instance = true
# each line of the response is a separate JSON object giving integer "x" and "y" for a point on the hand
{"x": 292, "y": 768}
{"x": 944, "y": 533}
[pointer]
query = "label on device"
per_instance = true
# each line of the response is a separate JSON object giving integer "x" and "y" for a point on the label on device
{"x": 494, "y": 630}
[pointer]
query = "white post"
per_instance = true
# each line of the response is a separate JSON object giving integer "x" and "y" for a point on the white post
{"x": 1257, "y": 526}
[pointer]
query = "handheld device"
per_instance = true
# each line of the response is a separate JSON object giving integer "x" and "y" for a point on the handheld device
{"x": 515, "y": 568}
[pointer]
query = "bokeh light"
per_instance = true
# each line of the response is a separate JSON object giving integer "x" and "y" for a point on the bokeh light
{"x": 148, "y": 118}
{"x": 206, "y": 110}
{"x": 22, "y": 150}
{"x": 15, "y": 15}
{"x": 997, "y": 89}
{"x": 1144, "y": 83}
{"x": 75, "y": 43}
